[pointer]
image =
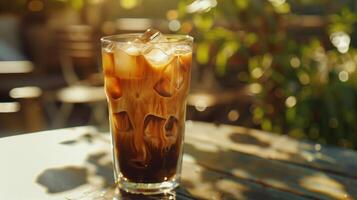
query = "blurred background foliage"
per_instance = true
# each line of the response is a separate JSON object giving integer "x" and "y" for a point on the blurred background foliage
{"x": 300, "y": 69}
{"x": 296, "y": 58}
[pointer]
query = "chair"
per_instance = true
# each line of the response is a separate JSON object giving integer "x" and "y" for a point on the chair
{"x": 79, "y": 59}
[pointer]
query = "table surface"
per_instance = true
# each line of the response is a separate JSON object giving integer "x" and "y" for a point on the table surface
{"x": 220, "y": 162}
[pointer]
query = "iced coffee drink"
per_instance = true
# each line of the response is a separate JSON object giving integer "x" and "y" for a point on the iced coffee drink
{"x": 147, "y": 79}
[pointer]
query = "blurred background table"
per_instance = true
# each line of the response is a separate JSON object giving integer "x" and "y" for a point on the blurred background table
{"x": 220, "y": 162}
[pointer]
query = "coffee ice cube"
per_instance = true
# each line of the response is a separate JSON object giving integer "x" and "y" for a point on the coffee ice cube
{"x": 153, "y": 129}
{"x": 163, "y": 87}
{"x": 122, "y": 122}
{"x": 171, "y": 127}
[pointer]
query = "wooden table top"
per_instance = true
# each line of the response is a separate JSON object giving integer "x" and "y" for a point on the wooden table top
{"x": 220, "y": 162}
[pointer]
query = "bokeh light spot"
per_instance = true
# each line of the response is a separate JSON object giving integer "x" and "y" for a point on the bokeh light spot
{"x": 186, "y": 27}
{"x": 257, "y": 72}
{"x": 201, "y": 105}
{"x": 343, "y": 76}
{"x": 304, "y": 79}
{"x": 318, "y": 147}
{"x": 233, "y": 115}
{"x": 255, "y": 88}
{"x": 171, "y": 14}
{"x": 277, "y": 2}
{"x": 290, "y": 101}
{"x": 174, "y": 25}
{"x": 129, "y": 4}
{"x": 295, "y": 62}
{"x": 341, "y": 41}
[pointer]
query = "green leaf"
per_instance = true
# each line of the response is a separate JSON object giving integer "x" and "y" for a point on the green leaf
{"x": 242, "y": 4}
{"x": 181, "y": 9}
{"x": 297, "y": 133}
{"x": 228, "y": 49}
{"x": 250, "y": 39}
{"x": 283, "y": 8}
{"x": 202, "y": 55}
{"x": 253, "y": 63}
{"x": 220, "y": 33}
{"x": 76, "y": 4}
{"x": 291, "y": 114}
{"x": 266, "y": 125}
{"x": 204, "y": 22}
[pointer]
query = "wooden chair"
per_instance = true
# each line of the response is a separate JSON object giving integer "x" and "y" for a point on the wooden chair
{"x": 79, "y": 60}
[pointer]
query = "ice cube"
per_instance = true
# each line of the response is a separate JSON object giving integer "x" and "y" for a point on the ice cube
{"x": 141, "y": 158}
{"x": 152, "y": 38}
{"x": 122, "y": 122}
{"x": 172, "y": 79}
{"x": 157, "y": 57}
{"x": 131, "y": 48}
{"x": 171, "y": 128}
{"x": 151, "y": 35}
{"x": 108, "y": 63}
{"x": 186, "y": 60}
{"x": 125, "y": 64}
{"x": 112, "y": 86}
{"x": 155, "y": 47}
{"x": 138, "y": 162}
{"x": 175, "y": 73}
{"x": 153, "y": 129}
{"x": 181, "y": 49}
{"x": 163, "y": 87}
{"x": 109, "y": 47}
{"x": 184, "y": 52}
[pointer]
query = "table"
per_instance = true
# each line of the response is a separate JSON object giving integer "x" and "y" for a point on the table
{"x": 220, "y": 162}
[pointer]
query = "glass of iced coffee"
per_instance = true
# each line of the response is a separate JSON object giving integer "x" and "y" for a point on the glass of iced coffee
{"x": 147, "y": 79}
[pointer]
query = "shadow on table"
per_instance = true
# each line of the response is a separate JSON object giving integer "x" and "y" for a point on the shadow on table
{"x": 103, "y": 167}
{"x": 264, "y": 178}
{"x": 248, "y": 170}
{"x": 62, "y": 179}
{"x": 336, "y": 164}
{"x": 248, "y": 139}
{"x": 216, "y": 175}
{"x": 98, "y": 165}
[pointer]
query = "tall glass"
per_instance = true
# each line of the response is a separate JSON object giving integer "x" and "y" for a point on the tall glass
{"x": 147, "y": 83}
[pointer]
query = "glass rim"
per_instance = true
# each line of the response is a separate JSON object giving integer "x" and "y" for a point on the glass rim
{"x": 123, "y": 38}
